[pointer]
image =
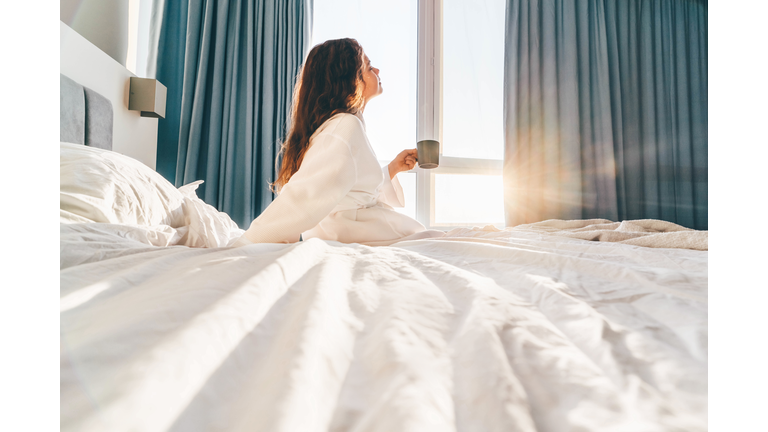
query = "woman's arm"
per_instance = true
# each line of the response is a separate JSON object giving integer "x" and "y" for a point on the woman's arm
{"x": 392, "y": 192}
{"x": 326, "y": 175}
{"x": 404, "y": 161}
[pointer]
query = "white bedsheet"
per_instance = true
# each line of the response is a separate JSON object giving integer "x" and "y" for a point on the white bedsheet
{"x": 476, "y": 331}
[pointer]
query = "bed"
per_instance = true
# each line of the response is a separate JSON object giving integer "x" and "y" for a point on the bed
{"x": 556, "y": 326}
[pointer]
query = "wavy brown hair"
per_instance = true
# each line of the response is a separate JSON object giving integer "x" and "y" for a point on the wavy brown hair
{"x": 330, "y": 82}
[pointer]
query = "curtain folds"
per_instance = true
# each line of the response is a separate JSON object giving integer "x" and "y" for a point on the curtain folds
{"x": 606, "y": 110}
{"x": 230, "y": 68}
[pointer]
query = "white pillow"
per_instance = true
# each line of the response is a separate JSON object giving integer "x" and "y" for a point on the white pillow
{"x": 104, "y": 186}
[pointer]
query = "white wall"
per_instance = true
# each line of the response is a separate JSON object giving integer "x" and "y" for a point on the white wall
{"x": 103, "y": 22}
{"x": 85, "y": 63}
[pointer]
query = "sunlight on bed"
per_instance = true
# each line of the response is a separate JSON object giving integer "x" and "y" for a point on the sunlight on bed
{"x": 75, "y": 299}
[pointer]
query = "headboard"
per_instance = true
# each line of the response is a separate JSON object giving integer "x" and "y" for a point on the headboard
{"x": 85, "y": 117}
{"x": 84, "y": 63}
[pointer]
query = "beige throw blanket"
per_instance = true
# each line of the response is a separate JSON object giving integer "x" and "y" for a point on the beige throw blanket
{"x": 643, "y": 232}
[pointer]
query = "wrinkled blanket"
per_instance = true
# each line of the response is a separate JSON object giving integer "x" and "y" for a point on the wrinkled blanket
{"x": 642, "y": 232}
{"x": 480, "y": 330}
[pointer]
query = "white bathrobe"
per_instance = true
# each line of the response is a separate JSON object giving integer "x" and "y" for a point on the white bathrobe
{"x": 339, "y": 193}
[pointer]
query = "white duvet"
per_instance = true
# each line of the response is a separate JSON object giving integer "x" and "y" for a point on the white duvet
{"x": 476, "y": 331}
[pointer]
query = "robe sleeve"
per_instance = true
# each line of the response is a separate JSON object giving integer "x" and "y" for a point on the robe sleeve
{"x": 326, "y": 175}
{"x": 391, "y": 191}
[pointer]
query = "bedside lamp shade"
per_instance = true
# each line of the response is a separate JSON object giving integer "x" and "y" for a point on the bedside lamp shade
{"x": 148, "y": 96}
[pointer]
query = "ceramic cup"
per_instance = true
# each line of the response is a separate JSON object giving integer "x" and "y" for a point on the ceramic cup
{"x": 428, "y": 154}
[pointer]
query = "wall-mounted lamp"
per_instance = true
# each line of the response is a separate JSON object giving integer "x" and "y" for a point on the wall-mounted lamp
{"x": 148, "y": 96}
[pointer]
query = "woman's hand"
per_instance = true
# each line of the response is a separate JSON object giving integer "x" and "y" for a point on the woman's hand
{"x": 404, "y": 161}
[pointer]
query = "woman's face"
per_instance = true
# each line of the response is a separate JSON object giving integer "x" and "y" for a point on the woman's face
{"x": 371, "y": 79}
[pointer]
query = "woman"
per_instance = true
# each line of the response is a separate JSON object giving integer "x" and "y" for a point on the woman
{"x": 330, "y": 184}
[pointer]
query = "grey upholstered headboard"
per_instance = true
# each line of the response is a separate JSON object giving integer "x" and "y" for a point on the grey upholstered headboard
{"x": 85, "y": 116}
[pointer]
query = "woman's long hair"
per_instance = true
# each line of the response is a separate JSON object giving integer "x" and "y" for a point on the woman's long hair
{"x": 330, "y": 82}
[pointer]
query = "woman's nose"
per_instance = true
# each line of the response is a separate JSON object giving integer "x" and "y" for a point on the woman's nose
{"x": 376, "y": 70}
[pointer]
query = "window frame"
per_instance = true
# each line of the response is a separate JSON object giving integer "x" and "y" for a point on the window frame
{"x": 430, "y": 118}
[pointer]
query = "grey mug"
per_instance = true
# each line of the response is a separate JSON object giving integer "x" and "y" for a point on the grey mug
{"x": 428, "y": 154}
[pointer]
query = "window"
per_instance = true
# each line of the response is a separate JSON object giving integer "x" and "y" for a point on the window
{"x": 473, "y": 79}
{"x": 139, "y": 15}
{"x": 468, "y": 54}
{"x": 482, "y": 199}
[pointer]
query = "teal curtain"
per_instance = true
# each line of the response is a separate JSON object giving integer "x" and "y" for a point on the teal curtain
{"x": 606, "y": 110}
{"x": 229, "y": 67}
